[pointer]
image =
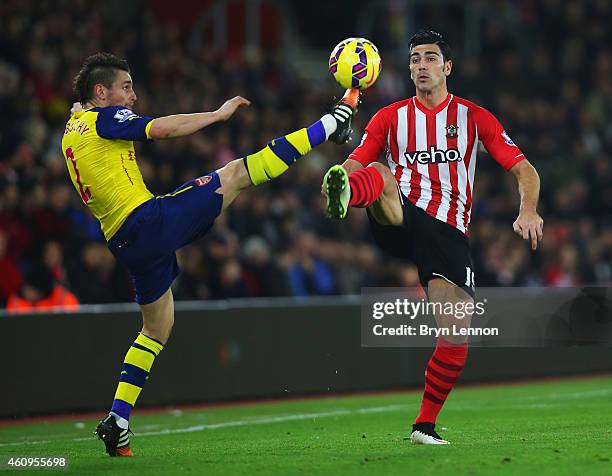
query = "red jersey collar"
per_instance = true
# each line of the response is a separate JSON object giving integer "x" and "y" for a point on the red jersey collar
{"x": 436, "y": 109}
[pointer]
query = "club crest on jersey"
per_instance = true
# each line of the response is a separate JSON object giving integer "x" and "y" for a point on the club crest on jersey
{"x": 124, "y": 114}
{"x": 451, "y": 131}
{"x": 507, "y": 138}
{"x": 433, "y": 156}
{"x": 203, "y": 180}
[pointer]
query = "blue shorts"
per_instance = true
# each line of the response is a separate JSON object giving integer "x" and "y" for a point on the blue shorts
{"x": 147, "y": 241}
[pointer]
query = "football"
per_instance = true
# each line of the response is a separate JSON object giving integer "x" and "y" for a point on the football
{"x": 355, "y": 63}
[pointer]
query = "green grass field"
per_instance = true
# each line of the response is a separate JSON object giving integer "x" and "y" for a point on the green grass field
{"x": 557, "y": 428}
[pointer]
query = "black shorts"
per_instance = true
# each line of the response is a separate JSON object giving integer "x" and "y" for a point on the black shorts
{"x": 438, "y": 249}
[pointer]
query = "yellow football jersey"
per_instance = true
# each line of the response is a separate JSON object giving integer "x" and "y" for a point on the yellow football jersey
{"x": 99, "y": 150}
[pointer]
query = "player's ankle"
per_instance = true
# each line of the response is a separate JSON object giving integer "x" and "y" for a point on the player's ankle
{"x": 121, "y": 422}
{"x": 351, "y": 98}
{"x": 330, "y": 124}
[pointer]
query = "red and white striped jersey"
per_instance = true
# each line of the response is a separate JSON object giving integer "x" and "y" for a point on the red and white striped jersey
{"x": 432, "y": 152}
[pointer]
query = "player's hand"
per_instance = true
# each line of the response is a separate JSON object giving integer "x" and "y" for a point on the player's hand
{"x": 229, "y": 107}
{"x": 530, "y": 226}
{"x": 76, "y": 107}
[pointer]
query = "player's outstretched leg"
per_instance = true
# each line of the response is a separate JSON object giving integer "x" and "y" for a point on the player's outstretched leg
{"x": 273, "y": 160}
{"x": 281, "y": 153}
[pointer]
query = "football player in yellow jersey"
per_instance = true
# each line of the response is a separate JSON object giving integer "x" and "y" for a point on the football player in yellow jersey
{"x": 144, "y": 231}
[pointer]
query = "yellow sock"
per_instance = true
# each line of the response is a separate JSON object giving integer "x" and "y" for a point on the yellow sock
{"x": 134, "y": 374}
{"x": 281, "y": 153}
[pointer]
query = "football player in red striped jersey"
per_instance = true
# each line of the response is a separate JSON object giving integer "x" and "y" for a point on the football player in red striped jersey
{"x": 419, "y": 203}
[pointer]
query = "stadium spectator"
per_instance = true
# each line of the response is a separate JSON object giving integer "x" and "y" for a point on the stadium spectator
{"x": 98, "y": 279}
{"x": 53, "y": 259}
{"x": 39, "y": 293}
{"x": 262, "y": 274}
{"x": 309, "y": 273}
{"x": 11, "y": 276}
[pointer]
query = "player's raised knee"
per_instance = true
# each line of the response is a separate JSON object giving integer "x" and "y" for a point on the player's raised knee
{"x": 385, "y": 173}
{"x": 234, "y": 175}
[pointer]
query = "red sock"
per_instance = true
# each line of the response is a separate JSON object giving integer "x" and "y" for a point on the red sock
{"x": 442, "y": 372}
{"x": 366, "y": 186}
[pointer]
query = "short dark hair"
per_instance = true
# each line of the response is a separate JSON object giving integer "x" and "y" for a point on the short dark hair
{"x": 425, "y": 37}
{"x": 97, "y": 69}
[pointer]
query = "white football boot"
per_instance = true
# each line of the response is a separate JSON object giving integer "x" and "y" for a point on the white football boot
{"x": 425, "y": 434}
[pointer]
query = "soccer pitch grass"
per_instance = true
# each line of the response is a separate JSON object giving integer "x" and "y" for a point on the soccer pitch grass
{"x": 555, "y": 427}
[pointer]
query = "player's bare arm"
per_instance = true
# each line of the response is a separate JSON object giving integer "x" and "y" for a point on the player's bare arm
{"x": 180, "y": 125}
{"x": 529, "y": 224}
{"x": 120, "y": 92}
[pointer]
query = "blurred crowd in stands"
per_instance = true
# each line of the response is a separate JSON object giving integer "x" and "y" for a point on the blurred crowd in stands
{"x": 550, "y": 84}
